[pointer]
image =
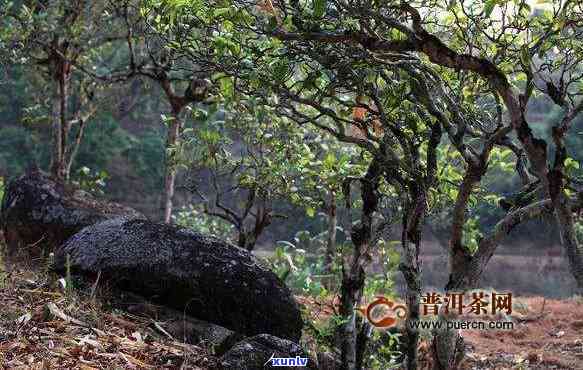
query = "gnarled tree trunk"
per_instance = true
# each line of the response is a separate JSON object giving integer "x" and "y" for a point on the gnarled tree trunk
{"x": 465, "y": 273}
{"x": 353, "y": 270}
{"x": 410, "y": 267}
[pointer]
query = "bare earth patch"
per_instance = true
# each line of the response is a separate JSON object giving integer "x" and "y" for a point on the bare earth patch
{"x": 549, "y": 338}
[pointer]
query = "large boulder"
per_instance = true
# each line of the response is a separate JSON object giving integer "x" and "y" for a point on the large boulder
{"x": 199, "y": 275}
{"x": 38, "y": 213}
{"x": 266, "y": 351}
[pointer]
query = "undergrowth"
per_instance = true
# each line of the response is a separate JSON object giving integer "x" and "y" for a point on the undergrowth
{"x": 72, "y": 329}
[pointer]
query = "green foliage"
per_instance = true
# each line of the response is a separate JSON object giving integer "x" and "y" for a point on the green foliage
{"x": 145, "y": 155}
{"x": 579, "y": 229}
{"x": 300, "y": 271}
{"x": 90, "y": 181}
{"x": 324, "y": 331}
{"x": 282, "y": 125}
{"x": 23, "y": 147}
{"x": 384, "y": 351}
{"x": 104, "y": 142}
{"x": 382, "y": 282}
{"x": 472, "y": 234}
{"x": 300, "y": 263}
{"x": 195, "y": 219}
{"x": 319, "y": 8}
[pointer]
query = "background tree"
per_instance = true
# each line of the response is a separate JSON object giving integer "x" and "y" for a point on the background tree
{"x": 152, "y": 55}
{"x": 60, "y": 42}
{"x": 234, "y": 171}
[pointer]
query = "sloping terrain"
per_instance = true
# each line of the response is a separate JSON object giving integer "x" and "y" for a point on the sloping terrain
{"x": 43, "y": 326}
{"x": 49, "y": 328}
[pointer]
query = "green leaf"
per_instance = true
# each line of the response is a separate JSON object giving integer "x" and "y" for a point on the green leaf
{"x": 221, "y": 11}
{"x": 330, "y": 160}
{"x": 310, "y": 211}
{"x": 489, "y": 7}
{"x": 227, "y": 88}
{"x": 319, "y": 8}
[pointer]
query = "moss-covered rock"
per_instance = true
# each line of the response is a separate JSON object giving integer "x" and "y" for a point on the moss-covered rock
{"x": 38, "y": 213}
{"x": 199, "y": 275}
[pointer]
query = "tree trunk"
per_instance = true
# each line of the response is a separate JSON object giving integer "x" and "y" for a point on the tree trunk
{"x": 414, "y": 212}
{"x": 56, "y": 150}
{"x": 410, "y": 269}
{"x": 353, "y": 270}
{"x": 246, "y": 240}
{"x": 362, "y": 339}
{"x": 60, "y": 126}
{"x": 465, "y": 272}
{"x": 350, "y": 294}
{"x": 71, "y": 154}
{"x": 172, "y": 140}
{"x": 331, "y": 240}
{"x": 564, "y": 216}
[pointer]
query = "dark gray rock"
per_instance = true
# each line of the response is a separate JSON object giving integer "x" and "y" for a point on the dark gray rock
{"x": 199, "y": 275}
{"x": 38, "y": 214}
{"x": 254, "y": 353}
{"x": 205, "y": 334}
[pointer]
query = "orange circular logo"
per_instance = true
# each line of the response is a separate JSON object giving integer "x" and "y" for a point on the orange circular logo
{"x": 386, "y": 320}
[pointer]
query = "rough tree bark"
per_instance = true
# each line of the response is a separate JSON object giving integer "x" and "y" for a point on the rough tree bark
{"x": 573, "y": 248}
{"x": 410, "y": 267}
{"x": 263, "y": 216}
{"x": 64, "y": 148}
{"x": 563, "y": 211}
{"x": 353, "y": 270}
{"x": 448, "y": 344}
{"x": 418, "y": 39}
{"x": 61, "y": 75}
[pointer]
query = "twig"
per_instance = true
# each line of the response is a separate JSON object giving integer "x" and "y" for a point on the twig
{"x": 54, "y": 294}
{"x": 94, "y": 287}
{"x": 158, "y": 327}
{"x": 55, "y": 311}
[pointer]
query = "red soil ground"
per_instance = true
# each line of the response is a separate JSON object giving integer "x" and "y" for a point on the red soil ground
{"x": 549, "y": 337}
{"x": 548, "y": 334}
